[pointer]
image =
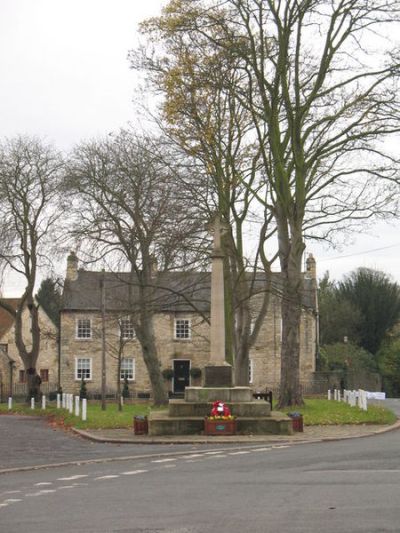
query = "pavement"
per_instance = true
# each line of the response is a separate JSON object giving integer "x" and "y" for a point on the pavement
{"x": 310, "y": 434}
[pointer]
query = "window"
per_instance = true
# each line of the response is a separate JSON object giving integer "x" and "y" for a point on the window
{"x": 83, "y": 368}
{"x": 4, "y": 347}
{"x": 22, "y": 376}
{"x": 182, "y": 328}
{"x": 126, "y": 328}
{"x": 251, "y": 370}
{"x": 83, "y": 328}
{"x": 44, "y": 374}
{"x": 127, "y": 369}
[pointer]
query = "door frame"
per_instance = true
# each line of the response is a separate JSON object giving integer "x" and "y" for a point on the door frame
{"x": 173, "y": 380}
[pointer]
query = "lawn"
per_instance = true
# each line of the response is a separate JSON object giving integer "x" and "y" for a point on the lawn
{"x": 315, "y": 412}
{"x": 325, "y": 412}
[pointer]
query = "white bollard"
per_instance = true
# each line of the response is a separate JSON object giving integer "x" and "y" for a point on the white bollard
{"x": 329, "y": 394}
{"x": 58, "y": 400}
{"x": 338, "y": 396}
{"x": 363, "y": 403}
{"x": 32, "y": 403}
{"x": 10, "y": 402}
{"x": 43, "y": 401}
{"x": 335, "y": 395}
{"x": 84, "y": 409}
{"x": 77, "y": 406}
{"x": 63, "y": 401}
{"x": 122, "y": 401}
{"x": 354, "y": 398}
{"x": 71, "y": 403}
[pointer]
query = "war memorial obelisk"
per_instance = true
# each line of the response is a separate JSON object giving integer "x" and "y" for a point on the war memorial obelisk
{"x": 186, "y": 417}
{"x": 218, "y": 373}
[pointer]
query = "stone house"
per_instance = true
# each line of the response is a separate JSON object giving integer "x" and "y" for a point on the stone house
{"x": 182, "y": 300}
{"x": 12, "y": 372}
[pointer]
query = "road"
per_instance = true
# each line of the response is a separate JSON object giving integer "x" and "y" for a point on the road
{"x": 345, "y": 486}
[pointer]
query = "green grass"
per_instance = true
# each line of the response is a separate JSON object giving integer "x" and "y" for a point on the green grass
{"x": 324, "y": 412}
{"x": 96, "y": 418}
{"x": 315, "y": 412}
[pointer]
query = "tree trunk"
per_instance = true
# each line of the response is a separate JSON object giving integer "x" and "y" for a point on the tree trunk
{"x": 33, "y": 382}
{"x": 291, "y": 253}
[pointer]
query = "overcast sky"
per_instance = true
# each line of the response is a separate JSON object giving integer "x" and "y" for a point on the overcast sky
{"x": 65, "y": 77}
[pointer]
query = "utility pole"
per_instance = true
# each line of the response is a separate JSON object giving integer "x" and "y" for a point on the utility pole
{"x": 103, "y": 342}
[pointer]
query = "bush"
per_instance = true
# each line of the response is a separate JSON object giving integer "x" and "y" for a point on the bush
{"x": 168, "y": 373}
{"x": 125, "y": 390}
{"x": 195, "y": 372}
{"x": 83, "y": 391}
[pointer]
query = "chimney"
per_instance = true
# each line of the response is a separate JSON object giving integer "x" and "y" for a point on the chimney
{"x": 72, "y": 267}
{"x": 311, "y": 267}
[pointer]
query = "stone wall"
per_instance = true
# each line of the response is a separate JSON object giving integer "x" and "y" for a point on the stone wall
{"x": 265, "y": 355}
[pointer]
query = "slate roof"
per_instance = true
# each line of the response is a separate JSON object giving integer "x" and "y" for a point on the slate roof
{"x": 173, "y": 291}
{"x": 7, "y": 320}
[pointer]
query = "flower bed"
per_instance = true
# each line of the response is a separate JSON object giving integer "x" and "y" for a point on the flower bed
{"x": 220, "y": 425}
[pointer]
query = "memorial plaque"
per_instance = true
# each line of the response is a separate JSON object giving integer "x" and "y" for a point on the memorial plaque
{"x": 218, "y": 376}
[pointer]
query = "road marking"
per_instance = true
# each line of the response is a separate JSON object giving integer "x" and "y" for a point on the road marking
{"x": 33, "y": 494}
{"x": 133, "y": 472}
{"x": 3, "y": 504}
{"x": 71, "y": 477}
{"x": 238, "y": 453}
{"x": 48, "y": 491}
{"x": 163, "y": 460}
{"x": 12, "y": 500}
{"x": 11, "y": 492}
{"x": 212, "y": 453}
{"x": 169, "y": 466}
{"x": 43, "y": 483}
{"x": 67, "y": 487}
{"x": 111, "y": 476}
{"x": 216, "y": 456}
{"x": 262, "y": 450}
{"x": 280, "y": 447}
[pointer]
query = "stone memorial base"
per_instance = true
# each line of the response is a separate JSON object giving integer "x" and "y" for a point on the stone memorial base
{"x": 186, "y": 417}
{"x": 218, "y": 376}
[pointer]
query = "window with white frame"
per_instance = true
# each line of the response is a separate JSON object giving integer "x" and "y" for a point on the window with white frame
{"x": 183, "y": 329}
{"x": 126, "y": 328}
{"x": 83, "y": 368}
{"x": 83, "y": 328}
{"x": 128, "y": 368}
{"x": 251, "y": 370}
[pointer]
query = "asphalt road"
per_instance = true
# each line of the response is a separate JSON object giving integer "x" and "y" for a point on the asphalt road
{"x": 345, "y": 486}
{"x": 30, "y": 441}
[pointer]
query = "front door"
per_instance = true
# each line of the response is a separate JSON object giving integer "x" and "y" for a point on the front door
{"x": 181, "y": 375}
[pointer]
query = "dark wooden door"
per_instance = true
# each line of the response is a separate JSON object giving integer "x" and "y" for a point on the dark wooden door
{"x": 181, "y": 375}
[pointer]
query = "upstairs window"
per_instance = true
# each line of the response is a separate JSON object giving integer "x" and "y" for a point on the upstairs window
{"x": 127, "y": 369}
{"x": 83, "y": 328}
{"x": 183, "y": 329}
{"x": 126, "y": 328}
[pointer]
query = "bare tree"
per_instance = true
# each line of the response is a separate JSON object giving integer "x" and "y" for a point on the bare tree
{"x": 132, "y": 209}
{"x": 201, "y": 114}
{"x": 319, "y": 81}
{"x": 30, "y": 176}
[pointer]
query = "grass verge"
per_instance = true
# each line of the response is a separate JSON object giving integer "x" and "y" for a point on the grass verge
{"x": 325, "y": 412}
{"x": 315, "y": 412}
